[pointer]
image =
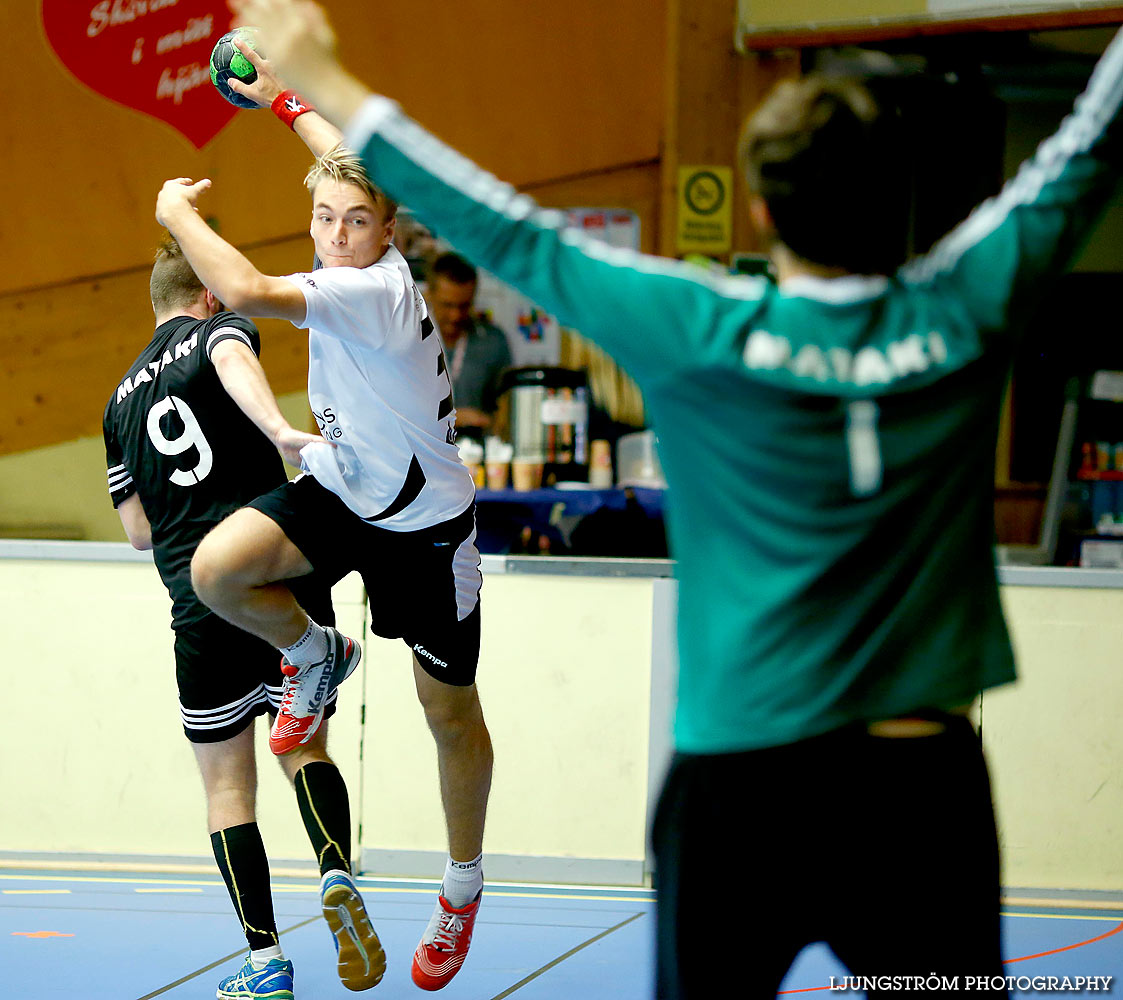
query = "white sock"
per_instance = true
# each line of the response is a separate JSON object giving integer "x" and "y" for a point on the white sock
{"x": 311, "y": 647}
{"x": 261, "y": 956}
{"x": 463, "y": 881}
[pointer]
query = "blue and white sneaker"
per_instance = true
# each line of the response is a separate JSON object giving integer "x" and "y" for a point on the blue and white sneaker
{"x": 362, "y": 962}
{"x": 272, "y": 982}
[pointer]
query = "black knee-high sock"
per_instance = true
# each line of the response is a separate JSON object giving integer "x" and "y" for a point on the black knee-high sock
{"x": 322, "y": 797}
{"x": 241, "y": 859}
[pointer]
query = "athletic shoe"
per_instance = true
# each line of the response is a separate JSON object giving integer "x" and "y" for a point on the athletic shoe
{"x": 361, "y": 958}
{"x": 306, "y": 691}
{"x": 272, "y": 982}
{"x": 444, "y": 945}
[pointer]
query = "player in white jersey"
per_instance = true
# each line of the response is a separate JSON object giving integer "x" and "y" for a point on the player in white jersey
{"x": 385, "y": 494}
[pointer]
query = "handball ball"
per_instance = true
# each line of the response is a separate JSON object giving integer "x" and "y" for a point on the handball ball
{"x": 227, "y": 62}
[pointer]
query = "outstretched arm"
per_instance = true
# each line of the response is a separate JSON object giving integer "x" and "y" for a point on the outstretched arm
{"x": 999, "y": 262}
{"x": 245, "y": 381}
{"x": 654, "y": 316}
{"x": 221, "y": 267}
{"x": 319, "y": 135}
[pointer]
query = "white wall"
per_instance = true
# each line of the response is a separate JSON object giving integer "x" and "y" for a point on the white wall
{"x": 1055, "y": 743}
{"x": 93, "y": 760}
{"x": 564, "y": 680}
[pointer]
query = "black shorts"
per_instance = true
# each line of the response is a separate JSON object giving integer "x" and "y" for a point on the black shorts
{"x": 423, "y": 586}
{"x": 227, "y": 677}
{"x": 883, "y": 848}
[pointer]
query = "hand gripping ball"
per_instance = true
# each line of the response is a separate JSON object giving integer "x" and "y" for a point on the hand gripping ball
{"x": 227, "y": 62}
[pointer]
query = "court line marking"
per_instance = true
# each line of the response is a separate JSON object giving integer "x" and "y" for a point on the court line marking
{"x": 282, "y": 871}
{"x": 35, "y": 892}
{"x": 40, "y": 934}
{"x": 1070, "y": 947}
{"x": 313, "y": 887}
{"x": 561, "y": 958}
{"x": 216, "y": 964}
{"x": 1009, "y": 961}
{"x": 185, "y": 884}
{"x": 580, "y": 893}
{"x": 1053, "y": 903}
{"x": 1059, "y": 916}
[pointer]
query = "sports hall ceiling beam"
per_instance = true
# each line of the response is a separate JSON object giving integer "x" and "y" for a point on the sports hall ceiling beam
{"x": 750, "y": 39}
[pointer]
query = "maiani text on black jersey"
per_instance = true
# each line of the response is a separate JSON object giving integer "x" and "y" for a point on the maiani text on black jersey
{"x": 175, "y": 437}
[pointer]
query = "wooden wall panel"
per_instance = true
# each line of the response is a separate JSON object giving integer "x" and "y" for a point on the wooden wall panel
{"x": 63, "y": 349}
{"x": 563, "y": 98}
{"x": 532, "y": 91}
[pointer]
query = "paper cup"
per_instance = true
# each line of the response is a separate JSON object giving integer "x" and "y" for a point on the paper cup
{"x": 526, "y": 475}
{"x": 497, "y": 475}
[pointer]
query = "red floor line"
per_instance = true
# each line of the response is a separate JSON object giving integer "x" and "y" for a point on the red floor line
{"x": 1068, "y": 947}
{"x": 1009, "y": 961}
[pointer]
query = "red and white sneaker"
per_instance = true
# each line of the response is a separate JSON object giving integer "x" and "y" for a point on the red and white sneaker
{"x": 306, "y": 691}
{"x": 444, "y": 945}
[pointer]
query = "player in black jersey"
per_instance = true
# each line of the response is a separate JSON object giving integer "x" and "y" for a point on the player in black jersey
{"x": 192, "y": 433}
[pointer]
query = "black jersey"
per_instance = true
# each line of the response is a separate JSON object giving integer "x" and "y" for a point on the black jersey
{"x": 175, "y": 437}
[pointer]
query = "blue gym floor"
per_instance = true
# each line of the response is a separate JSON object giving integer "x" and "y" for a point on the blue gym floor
{"x": 121, "y": 936}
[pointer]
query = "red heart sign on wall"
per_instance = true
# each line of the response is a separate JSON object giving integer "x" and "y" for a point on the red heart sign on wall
{"x": 150, "y": 55}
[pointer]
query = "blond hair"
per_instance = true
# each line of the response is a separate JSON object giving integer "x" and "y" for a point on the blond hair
{"x": 174, "y": 283}
{"x": 344, "y": 167}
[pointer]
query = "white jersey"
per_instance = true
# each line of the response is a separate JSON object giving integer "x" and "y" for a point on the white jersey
{"x": 378, "y": 387}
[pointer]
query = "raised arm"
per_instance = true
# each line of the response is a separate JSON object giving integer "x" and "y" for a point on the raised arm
{"x": 999, "y": 261}
{"x": 220, "y": 267}
{"x": 652, "y": 314}
{"x": 245, "y": 381}
{"x": 318, "y": 133}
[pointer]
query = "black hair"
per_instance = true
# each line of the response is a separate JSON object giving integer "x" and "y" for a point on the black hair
{"x": 454, "y": 268}
{"x": 830, "y": 162}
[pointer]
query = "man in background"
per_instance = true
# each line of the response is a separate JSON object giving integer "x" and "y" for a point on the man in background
{"x": 477, "y": 351}
{"x": 191, "y": 434}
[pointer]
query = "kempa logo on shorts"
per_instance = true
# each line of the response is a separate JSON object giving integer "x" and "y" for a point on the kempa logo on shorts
{"x": 429, "y": 656}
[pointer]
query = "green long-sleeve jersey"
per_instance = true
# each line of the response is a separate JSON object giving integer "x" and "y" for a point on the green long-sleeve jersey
{"x": 829, "y": 444}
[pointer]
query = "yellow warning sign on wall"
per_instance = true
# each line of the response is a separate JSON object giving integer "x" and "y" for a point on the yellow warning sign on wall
{"x": 705, "y": 209}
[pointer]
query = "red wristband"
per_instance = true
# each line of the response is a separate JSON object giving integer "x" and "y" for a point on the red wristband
{"x": 288, "y": 105}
